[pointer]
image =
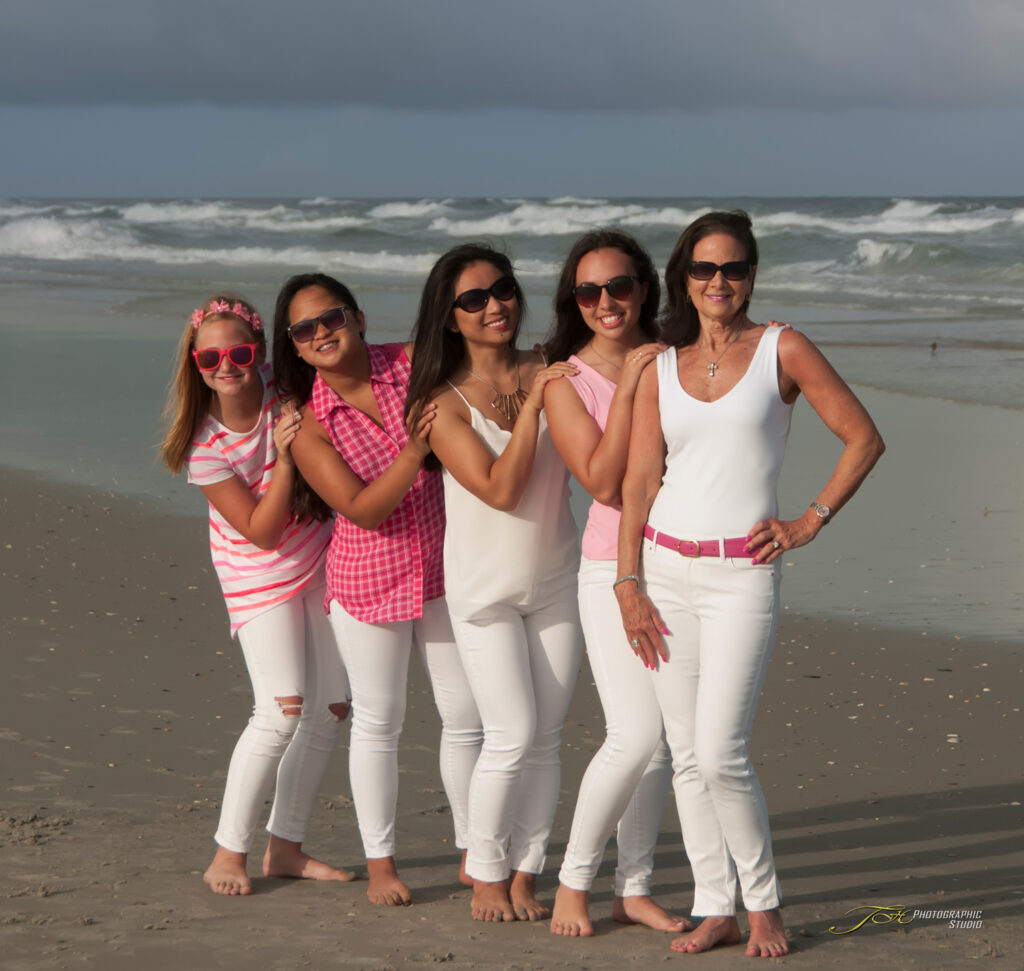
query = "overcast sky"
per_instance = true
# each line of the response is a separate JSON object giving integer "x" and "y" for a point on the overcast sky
{"x": 532, "y": 97}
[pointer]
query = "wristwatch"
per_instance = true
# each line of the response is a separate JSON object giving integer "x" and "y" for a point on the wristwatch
{"x": 824, "y": 513}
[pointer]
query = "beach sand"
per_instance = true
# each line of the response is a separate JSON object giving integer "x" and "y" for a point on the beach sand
{"x": 890, "y": 761}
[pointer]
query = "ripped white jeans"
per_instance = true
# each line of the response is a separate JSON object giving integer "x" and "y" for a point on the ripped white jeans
{"x": 290, "y": 652}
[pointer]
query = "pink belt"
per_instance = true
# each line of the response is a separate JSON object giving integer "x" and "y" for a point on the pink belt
{"x": 736, "y": 547}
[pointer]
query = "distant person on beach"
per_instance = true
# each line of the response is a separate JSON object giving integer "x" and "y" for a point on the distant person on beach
{"x": 228, "y": 428}
{"x": 605, "y": 308}
{"x": 700, "y": 606}
{"x": 510, "y": 561}
{"x": 385, "y": 583}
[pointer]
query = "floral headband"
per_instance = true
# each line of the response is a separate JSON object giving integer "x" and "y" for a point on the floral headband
{"x": 251, "y": 317}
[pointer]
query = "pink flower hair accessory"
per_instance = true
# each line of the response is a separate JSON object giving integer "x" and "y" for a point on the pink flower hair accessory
{"x": 251, "y": 317}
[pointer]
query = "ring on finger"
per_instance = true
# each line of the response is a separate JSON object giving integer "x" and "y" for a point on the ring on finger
{"x": 775, "y": 544}
{"x": 634, "y": 642}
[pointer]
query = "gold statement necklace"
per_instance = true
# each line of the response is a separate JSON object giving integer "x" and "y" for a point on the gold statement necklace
{"x": 508, "y": 405}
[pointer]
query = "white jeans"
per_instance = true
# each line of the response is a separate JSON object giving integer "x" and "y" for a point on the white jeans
{"x": 522, "y": 664}
{"x": 377, "y": 659}
{"x": 722, "y": 616}
{"x": 290, "y": 652}
{"x": 629, "y": 777}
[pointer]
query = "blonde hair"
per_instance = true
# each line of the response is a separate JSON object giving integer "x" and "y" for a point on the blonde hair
{"x": 188, "y": 395}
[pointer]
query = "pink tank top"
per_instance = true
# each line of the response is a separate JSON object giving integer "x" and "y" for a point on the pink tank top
{"x": 601, "y": 534}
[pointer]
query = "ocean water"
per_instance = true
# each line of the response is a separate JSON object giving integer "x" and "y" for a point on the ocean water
{"x": 916, "y": 297}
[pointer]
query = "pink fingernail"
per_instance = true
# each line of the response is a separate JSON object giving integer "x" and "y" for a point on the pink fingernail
{"x": 753, "y": 562}
{"x": 665, "y": 630}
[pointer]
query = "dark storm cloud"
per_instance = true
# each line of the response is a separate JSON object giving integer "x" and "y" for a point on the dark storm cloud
{"x": 533, "y": 54}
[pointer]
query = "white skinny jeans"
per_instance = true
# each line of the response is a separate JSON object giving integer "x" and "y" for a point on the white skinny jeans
{"x": 290, "y": 652}
{"x": 722, "y": 615}
{"x": 522, "y": 664}
{"x": 377, "y": 659}
{"x": 629, "y": 777}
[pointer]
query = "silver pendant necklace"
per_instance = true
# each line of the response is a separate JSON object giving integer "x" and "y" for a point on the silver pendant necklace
{"x": 712, "y": 366}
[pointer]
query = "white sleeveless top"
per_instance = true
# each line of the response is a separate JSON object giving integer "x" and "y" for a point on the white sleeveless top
{"x": 723, "y": 457}
{"x": 494, "y": 557}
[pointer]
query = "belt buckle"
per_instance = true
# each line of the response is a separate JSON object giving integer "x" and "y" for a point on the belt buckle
{"x": 696, "y": 543}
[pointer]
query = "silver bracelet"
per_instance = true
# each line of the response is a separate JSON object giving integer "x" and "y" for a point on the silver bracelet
{"x": 628, "y": 576}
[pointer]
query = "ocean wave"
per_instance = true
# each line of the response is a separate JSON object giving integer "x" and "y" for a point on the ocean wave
{"x": 576, "y": 201}
{"x": 903, "y": 218}
{"x": 408, "y": 210}
{"x": 46, "y": 238}
{"x": 217, "y": 215}
{"x": 539, "y": 219}
{"x": 871, "y": 252}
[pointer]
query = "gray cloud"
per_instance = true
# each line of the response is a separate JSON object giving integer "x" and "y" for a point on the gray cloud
{"x": 531, "y": 54}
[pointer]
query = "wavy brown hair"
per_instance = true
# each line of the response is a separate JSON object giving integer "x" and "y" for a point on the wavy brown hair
{"x": 680, "y": 324}
{"x": 570, "y": 332}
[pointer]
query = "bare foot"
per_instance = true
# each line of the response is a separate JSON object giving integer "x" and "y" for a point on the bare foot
{"x": 385, "y": 887}
{"x": 226, "y": 874}
{"x": 644, "y": 910}
{"x": 285, "y": 858}
{"x": 522, "y": 891}
{"x": 767, "y": 935}
{"x": 464, "y": 878}
{"x": 491, "y": 901}
{"x": 571, "y": 917}
{"x": 710, "y": 932}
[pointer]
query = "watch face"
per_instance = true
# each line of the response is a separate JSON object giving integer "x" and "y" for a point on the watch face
{"x": 822, "y": 510}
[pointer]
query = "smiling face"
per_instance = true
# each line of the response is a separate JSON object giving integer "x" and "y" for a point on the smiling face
{"x": 498, "y": 321}
{"x": 328, "y": 348}
{"x": 719, "y": 299}
{"x": 227, "y": 379}
{"x": 613, "y": 318}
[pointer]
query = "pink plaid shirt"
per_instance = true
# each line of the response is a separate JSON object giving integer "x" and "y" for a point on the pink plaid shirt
{"x": 384, "y": 574}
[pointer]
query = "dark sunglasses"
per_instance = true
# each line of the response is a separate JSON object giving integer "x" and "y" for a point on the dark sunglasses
{"x": 473, "y": 301}
{"x": 703, "y": 270}
{"x": 333, "y": 319}
{"x": 241, "y": 355}
{"x": 618, "y": 287}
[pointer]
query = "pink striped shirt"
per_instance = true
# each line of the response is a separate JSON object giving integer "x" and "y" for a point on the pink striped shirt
{"x": 254, "y": 580}
{"x": 385, "y": 574}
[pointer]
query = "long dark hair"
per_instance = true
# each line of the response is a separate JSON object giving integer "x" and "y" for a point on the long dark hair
{"x": 438, "y": 349}
{"x": 680, "y": 324}
{"x": 570, "y": 332}
{"x": 294, "y": 376}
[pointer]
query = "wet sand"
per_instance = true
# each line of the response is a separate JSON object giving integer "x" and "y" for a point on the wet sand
{"x": 890, "y": 761}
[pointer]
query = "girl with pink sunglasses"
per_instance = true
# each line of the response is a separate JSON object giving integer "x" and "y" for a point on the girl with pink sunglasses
{"x": 228, "y": 429}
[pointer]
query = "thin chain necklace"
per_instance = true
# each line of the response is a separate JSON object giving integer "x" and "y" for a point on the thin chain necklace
{"x": 618, "y": 367}
{"x": 712, "y": 366}
{"x": 508, "y": 405}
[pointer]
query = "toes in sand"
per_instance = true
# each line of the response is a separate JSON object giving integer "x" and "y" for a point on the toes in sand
{"x": 226, "y": 874}
{"x": 386, "y": 889}
{"x": 711, "y": 932}
{"x": 491, "y": 901}
{"x": 523, "y": 892}
{"x": 570, "y": 916}
{"x": 767, "y": 934}
{"x": 645, "y": 910}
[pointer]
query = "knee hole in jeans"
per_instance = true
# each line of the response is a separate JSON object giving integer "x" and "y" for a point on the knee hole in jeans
{"x": 340, "y": 709}
{"x": 291, "y": 705}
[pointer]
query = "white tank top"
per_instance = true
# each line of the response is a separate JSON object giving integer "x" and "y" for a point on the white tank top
{"x": 723, "y": 457}
{"x": 494, "y": 557}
